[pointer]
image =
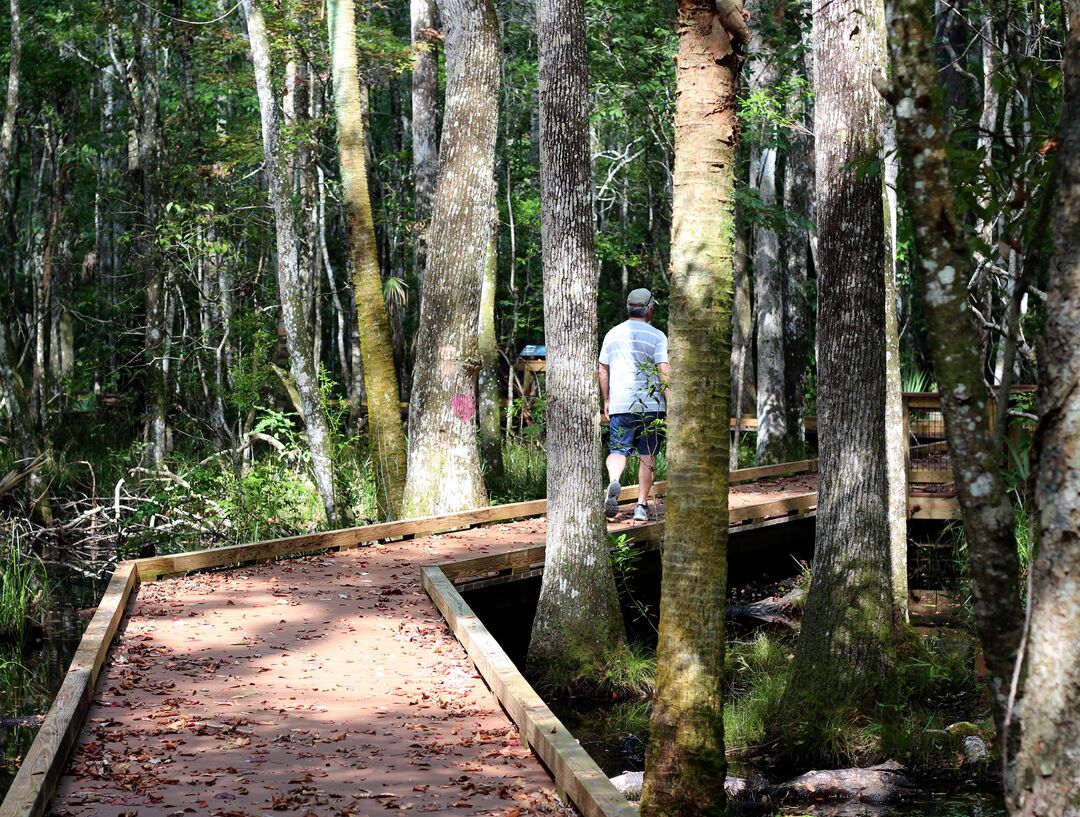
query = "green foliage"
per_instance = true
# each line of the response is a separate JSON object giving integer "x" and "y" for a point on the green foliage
{"x": 625, "y": 562}
{"x": 24, "y": 588}
{"x": 524, "y": 472}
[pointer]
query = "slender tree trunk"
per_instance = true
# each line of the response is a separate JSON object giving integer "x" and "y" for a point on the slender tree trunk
{"x": 16, "y": 398}
{"x": 943, "y": 257}
{"x": 444, "y": 462}
{"x": 743, "y": 377}
{"x": 578, "y": 622}
{"x": 386, "y": 432}
{"x": 844, "y": 656}
{"x": 1048, "y": 765}
{"x": 772, "y": 432}
{"x": 488, "y": 384}
{"x": 895, "y": 448}
{"x": 148, "y": 135}
{"x": 425, "y": 106}
{"x": 799, "y": 201}
{"x": 685, "y": 763}
{"x": 293, "y": 296}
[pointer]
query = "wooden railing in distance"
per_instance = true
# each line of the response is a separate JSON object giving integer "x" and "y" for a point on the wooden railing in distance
{"x": 575, "y": 772}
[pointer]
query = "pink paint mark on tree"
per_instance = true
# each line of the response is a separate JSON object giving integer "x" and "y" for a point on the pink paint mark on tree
{"x": 464, "y": 406}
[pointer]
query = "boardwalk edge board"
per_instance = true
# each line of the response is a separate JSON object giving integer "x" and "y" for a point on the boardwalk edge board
{"x": 575, "y": 772}
{"x": 35, "y": 783}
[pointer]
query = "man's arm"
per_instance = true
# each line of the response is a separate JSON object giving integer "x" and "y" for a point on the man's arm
{"x": 604, "y": 373}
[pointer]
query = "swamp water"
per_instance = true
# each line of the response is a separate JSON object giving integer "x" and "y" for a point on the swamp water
{"x": 616, "y": 733}
{"x": 31, "y": 673}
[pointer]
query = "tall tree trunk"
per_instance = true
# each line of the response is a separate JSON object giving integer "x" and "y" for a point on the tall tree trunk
{"x": 895, "y": 431}
{"x": 685, "y": 763}
{"x": 12, "y": 389}
{"x": 743, "y": 377}
{"x": 943, "y": 257}
{"x": 1048, "y": 765}
{"x": 386, "y": 433}
{"x": 488, "y": 382}
{"x": 293, "y": 297}
{"x": 844, "y": 656}
{"x": 772, "y": 432}
{"x": 578, "y": 621}
{"x": 444, "y": 463}
{"x": 425, "y": 106}
{"x": 799, "y": 201}
{"x": 148, "y": 134}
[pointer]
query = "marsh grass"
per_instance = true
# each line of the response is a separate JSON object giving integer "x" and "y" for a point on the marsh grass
{"x": 24, "y": 592}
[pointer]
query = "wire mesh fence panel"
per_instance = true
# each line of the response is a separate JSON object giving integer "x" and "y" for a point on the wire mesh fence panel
{"x": 928, "y": 451}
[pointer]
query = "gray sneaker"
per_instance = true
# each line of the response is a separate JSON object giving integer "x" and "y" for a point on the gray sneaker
{"x": 641, "y": 513}
{"x": 611, "y": 500}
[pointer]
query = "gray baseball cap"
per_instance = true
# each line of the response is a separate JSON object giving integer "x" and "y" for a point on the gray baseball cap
{"x": 640, "y": 297}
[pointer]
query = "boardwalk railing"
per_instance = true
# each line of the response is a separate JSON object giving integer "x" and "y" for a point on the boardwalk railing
{"x": 35, "y": 783}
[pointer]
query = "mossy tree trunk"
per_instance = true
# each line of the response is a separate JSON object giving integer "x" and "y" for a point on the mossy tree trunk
{"x": 290, "y": 280}
{"x": 578, "y": 625}
{"x": 845, "y": 652}
{"x": 685, "y": 766}
{"x": 1048, "y": 765}
{"x": 943, "y": 258}
{"x": 386, "y": 433}
{"x": 444, "y": 461}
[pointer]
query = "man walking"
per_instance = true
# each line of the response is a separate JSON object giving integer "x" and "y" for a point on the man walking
{"x": 633, "y": 377}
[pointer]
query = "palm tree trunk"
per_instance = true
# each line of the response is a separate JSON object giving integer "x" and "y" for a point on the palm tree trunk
{"x": 386, "y": 433}
{"x": 685, "y": 761}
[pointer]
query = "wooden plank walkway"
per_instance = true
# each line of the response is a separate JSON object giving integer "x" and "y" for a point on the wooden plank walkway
{"x": 322, "y": 685}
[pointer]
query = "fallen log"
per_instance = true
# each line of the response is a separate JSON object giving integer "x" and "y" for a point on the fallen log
{"x": 881, "y": 785}
{"x": 773, "y": 611}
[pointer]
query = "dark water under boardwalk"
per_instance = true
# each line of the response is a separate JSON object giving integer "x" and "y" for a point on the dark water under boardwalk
{"x": 616, "y": 734}
{"x": 31, "y": 673}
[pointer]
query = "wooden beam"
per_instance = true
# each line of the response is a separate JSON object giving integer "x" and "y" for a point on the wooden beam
{"x": 34, "y": 785}
{"x": 342, "y": 539}
{"x": 157, "y": 566}
{"x": 941, "y": 476}
{"x": 779, "y": 507}
{"x": 933, "y": 507}
{"x": 784, "y": 469}
{"x": 574, "y": 771}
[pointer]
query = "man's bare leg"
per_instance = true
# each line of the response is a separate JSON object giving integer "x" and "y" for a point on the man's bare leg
{"x": 646, "y": 472}
{"x": 615, "y": 464}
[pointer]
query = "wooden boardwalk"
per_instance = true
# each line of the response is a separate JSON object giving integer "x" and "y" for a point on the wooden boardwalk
{"x": 327, "y": 684}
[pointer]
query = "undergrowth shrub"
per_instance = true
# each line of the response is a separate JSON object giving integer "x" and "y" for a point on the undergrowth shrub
{"x": 24, "y": 589}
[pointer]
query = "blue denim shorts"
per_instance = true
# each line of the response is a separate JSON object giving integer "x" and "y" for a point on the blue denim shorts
{"x": 643, "y": 431}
